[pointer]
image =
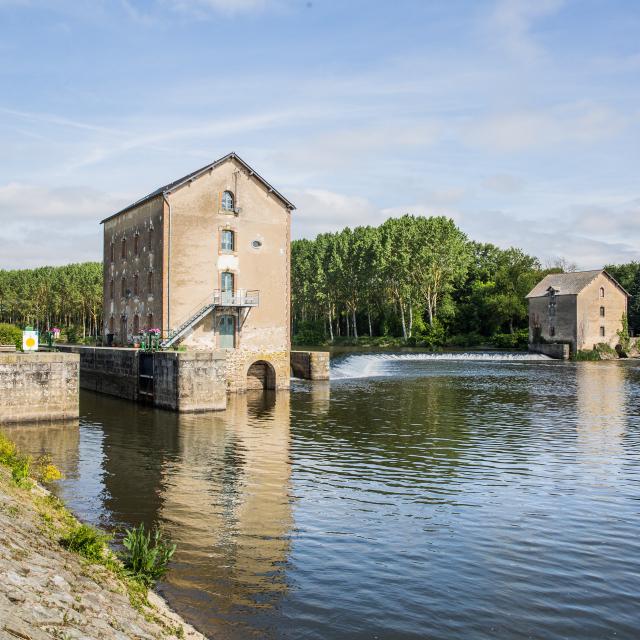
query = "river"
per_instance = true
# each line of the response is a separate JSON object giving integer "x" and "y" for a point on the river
{"x": 415, "y": 496}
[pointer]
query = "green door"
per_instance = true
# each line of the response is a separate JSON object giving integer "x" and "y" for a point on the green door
{"x": 227, "y": 332}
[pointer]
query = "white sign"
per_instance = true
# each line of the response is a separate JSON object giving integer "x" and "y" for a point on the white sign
{"x": 29, "y": 340}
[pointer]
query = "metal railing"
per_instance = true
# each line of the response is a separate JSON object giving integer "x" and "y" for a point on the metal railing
{"x": 238, "y": 298}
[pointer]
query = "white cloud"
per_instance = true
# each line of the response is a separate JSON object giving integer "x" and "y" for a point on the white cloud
{"x": 200, "y": 8}
{"x": 531, "y": 129}
{"x": 511, "y": 23}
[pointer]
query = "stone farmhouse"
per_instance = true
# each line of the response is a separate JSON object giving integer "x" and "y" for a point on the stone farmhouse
{"x": 582, "y": 309}
{"x": 206, "y": 260}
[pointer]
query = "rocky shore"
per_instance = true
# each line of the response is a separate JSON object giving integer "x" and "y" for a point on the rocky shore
{"x": 48, "y": 592}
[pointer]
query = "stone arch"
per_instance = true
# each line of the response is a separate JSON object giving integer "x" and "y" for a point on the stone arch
{"x": 261, "y": 375}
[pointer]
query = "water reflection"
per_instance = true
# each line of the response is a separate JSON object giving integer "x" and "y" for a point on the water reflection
{"x": 601, "y": 402}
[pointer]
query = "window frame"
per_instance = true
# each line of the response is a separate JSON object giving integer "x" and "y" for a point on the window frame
{"x": 232, "y": 234}
{"x": 228, "y": 201}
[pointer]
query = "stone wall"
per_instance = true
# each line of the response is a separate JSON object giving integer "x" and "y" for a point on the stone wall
{"x": 310, "y": 365}
{"x": 107, "y": 370}
{"x": 557, "y": 351}
{"x": 188, "y": 382}
{"x": 38, "y": 387}
{"x": 182, "y": 381}
{"x": 239, "y": 361}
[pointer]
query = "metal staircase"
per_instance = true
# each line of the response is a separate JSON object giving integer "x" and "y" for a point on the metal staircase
{"x": 238, "y": 299}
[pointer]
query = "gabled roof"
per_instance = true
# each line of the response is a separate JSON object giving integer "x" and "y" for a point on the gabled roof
{"x": 176, "y": 184}
{"x": 572, "y": 283}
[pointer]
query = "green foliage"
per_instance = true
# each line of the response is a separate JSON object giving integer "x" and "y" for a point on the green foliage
{"x": 517, "y": 340}
{"x": 20, "y": 469}
{"x": 68, "y": 296}
{"x": 623, "y": 334}
{"x": 7, "y": 450}
{"x": 147, "y": 554}
{"x": 408, "y": 274}
{"x": 10, "y": 334}
{"x": 86, "y": 541}
{"x": 309, "y": 332}
{"x": 587, "y": 354}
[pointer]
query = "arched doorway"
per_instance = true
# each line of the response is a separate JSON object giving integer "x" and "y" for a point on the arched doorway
{"x": 261, "y": 375}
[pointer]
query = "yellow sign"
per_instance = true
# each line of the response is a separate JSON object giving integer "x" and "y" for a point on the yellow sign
{"x": 29, "y": 340}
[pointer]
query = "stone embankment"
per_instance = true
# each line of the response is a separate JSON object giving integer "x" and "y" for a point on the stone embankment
{"x": 48, "y": 592}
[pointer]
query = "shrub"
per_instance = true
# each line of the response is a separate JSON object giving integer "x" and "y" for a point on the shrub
{"x": 309, "y": 333}
{"x": 517, "y": 340}
{"x": 587, "y": 354}
{"x": 147, "y": 554}
{"x": 10, "y": 334}
{"x": 7, "y": 450}
{"x": 86, "y": 541}
{"x": 472, "y": 339}
{"x": 20, "y": 468}
{"x": 623, "y": 334}
{"x": 72, "y": 334}
{"x": 45, "y": 470}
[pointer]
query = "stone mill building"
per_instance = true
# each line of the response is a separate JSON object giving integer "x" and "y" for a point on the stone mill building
{"x": 583, "y": 308}
{"x": 206, "y": 260}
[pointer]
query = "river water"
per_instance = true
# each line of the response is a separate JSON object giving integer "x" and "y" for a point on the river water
{"x": 414, "y": 496}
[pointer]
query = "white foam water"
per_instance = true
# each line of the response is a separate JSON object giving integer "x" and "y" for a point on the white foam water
{"x": 368, "y": 365}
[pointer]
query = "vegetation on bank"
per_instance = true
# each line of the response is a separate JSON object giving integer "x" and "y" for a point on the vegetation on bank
{"x": 410, "y": 281}
{"x": 140, "y": 565}
{"x": 416, "y": 280}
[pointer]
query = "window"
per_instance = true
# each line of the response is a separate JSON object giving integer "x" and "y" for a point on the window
{"x": 150, "y": 321}
{"x": 602, "y": 332}
{"x": 256, "y": 244}
{"x": 136, "y": 324}
{"x": 123, "y": 287}
{"x": 227, "y": 240}
{"x": 136, "y": 244}
{"x": 111, "y": 324}
{"x": 226, "y": 287}
{"x": 112, "y": 252}
{"x": 123, "y": 248}
{"x": 602, "y": 312}
{"x": 150, "y": 282}
{"x": 552, "y": 331}
{"x": 150, "y": 238}
{"x": 111, "y": 291}
{"x": 602, "y": 292}
{"x": 135, "y": 284}
{"x": 123, "y": 328}
{"x": 227, "y": 201}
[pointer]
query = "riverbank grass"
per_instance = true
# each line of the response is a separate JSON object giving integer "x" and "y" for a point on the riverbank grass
{"x": 23, "y": 498}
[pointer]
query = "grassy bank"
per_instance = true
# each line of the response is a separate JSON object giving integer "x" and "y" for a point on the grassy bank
{"x": 58, "y": 565}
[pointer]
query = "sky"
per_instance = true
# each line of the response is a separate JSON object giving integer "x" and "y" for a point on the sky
{"x": 519, "y": 119}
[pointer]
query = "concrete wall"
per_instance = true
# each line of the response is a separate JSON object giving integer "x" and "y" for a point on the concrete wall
{"x": 557, "y": 351}
{"x": 310, "y": 365}
{"x": 145, "y": 222}
{"x": 182, "y": 381}
{"x": 38, "y": 387}
{"x": 189, "y": 382}
{"x": 110, "y": 371}
{"x": 614, "y": 303}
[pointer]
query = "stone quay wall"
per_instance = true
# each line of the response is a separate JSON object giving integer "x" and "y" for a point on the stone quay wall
{"x": 182, "y": 381}
{"x": 553, "y": 350}
{"x": 190, "y": 382}
{"x": 38, "y": 387}
{"x": 310, "y": 365}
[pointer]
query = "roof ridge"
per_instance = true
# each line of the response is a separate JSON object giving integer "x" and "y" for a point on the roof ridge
{"x": 175, "y": 184}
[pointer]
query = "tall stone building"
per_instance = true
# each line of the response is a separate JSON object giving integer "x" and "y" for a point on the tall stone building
{"x": 206, "y": 260}
{"x": 583, "y": 308}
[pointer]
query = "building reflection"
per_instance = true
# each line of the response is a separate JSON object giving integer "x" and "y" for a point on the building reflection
{"x": 226, "y": 503}
{"x": 601, "y": 412}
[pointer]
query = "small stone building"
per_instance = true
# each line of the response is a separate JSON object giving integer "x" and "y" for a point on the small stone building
{"x": 206, "y": 260}
{"x": 583, "y": 308}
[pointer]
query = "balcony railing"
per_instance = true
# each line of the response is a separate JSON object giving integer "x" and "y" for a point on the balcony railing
{"x": 238, "y": 298}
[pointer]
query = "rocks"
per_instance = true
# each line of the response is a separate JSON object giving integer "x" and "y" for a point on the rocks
{"x": 47, "y": 592}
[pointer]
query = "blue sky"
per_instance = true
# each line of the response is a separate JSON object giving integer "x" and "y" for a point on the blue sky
{"x": 520, "y": 119}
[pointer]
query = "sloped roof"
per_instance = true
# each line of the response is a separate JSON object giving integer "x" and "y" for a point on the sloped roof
{"x": 569, "y": 283}
{"x": 172, "y": 186}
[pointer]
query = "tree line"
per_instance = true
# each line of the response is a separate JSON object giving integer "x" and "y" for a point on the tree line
{"x": 415, "y": 279}
{"x": 419, "y": 279}
{"x": 67, "y": 297}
